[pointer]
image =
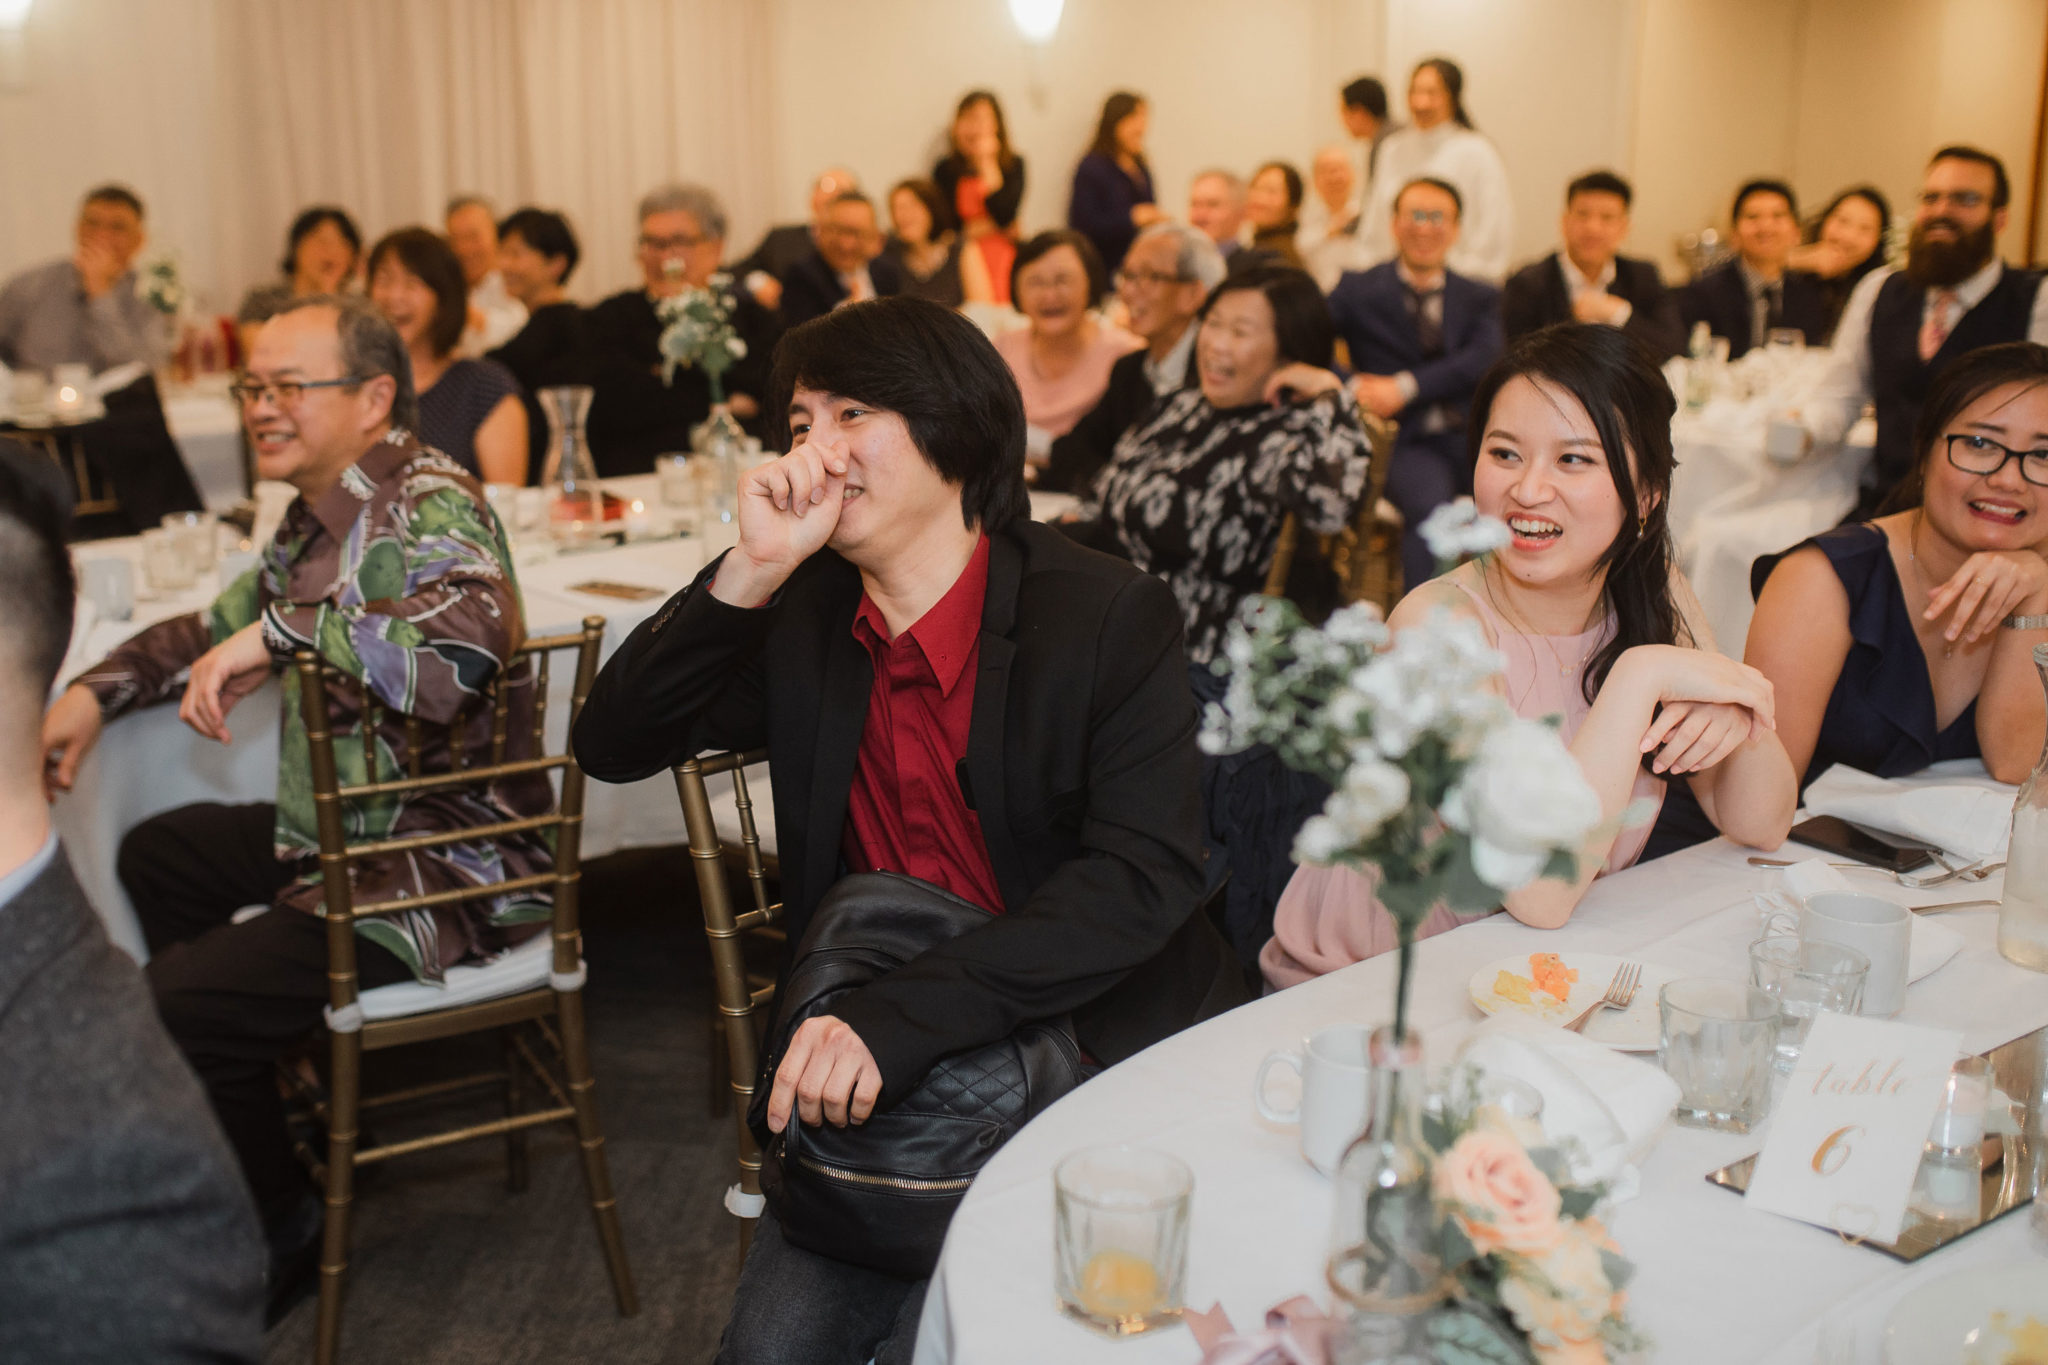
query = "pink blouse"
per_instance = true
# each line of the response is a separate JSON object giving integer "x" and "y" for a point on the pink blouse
{"x": 1329, "y": 917}
{"x": 1054, "y": 405}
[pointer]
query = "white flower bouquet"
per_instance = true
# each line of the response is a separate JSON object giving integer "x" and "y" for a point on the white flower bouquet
{"x": 697, "y": 330}
{"x": 160, "y": 284}
{"x": 1436, "y": 782}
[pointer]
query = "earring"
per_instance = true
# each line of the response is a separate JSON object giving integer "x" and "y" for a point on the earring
{"x": 1642, "y": 524}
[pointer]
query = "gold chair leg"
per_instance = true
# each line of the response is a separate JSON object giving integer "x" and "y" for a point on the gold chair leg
{"x": 515, "y": 1100}
{"x": 343, "y": 1107}
{"x": 720, "y": 1095}
{"x": 596, "y": 1171}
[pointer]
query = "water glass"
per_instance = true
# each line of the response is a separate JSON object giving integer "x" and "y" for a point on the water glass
{"x": 718, "y": 486}
{"x": 1806, "y": 977}
{"x": 167, "y": 560}
{"x": 676, "y": 478}
{"x": 108, "y": 582}
{"x": 1120, "y": 1237}
{"x": 1716, "y": 1041}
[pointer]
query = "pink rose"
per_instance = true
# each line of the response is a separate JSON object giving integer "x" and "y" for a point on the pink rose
{"x": 1501, "y": 1201}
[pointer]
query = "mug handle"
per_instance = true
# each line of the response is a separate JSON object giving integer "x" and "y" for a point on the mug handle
{"x": 1290, "y": 1060}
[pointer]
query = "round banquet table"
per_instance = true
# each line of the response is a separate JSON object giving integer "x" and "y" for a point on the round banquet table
{"x": 1715, "y": 1280}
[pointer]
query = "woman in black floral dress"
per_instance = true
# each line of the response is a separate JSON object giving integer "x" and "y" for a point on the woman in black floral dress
{"x": 1197, "y": 490}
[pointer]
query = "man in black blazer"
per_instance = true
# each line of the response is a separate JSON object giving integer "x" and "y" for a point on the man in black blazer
{"x": 1588, "y": 281}
{"x": 1749, "y": 297}
{"x": 1420, "y": 337}
{"x": 921, "y": 658}
{"x": 126, "y": 1232}
{"x": 1165, "y": 276}
{"x": 846, "y": 266}
{"x": 761, "y": 272}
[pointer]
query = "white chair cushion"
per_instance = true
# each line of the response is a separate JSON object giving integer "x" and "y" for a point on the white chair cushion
{"x": 723, "y": 814}
{"x": 518, "y": 969}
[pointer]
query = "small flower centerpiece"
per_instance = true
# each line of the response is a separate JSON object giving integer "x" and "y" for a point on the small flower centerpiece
{"x": 697, "y": 331}
{"x": 160, "y": 284}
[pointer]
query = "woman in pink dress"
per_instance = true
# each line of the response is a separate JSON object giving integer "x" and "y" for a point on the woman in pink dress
{"x": 982, "y": 181}
{"x": 1597, "y": 627}
{"x": 1062, "y": 360}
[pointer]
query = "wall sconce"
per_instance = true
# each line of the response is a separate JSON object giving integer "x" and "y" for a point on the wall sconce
{"x": 1037, "y": 20}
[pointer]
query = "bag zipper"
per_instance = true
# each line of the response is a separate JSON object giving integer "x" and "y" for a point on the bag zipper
{"x": 894, "y": 1182}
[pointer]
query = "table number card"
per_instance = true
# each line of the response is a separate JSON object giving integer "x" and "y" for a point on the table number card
{"x": 1846, "y": 1139}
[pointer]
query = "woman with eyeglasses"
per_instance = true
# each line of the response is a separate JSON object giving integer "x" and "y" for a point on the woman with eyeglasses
{"x": 1063, "y": 359}
{"x": 1906, "y": 640}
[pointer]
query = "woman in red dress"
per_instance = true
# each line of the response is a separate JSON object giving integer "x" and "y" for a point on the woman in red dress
{"x": 982, "y": 180}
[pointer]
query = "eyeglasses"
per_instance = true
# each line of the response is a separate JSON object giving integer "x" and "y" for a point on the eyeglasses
{"x": 1146, "y": 279}
{"x": 679, "y": 242}
{"x": 1427, "y": 217}
{"x": 1982, "y": 455}
{"x": 1962, "y": 199}
{"x": 249, "y": 392}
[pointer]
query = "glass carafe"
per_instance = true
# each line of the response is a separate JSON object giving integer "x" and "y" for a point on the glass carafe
{"x": 2023, "y": 914}
{"x": 1385, "y": 1266}
{"x": 575, "y": 502}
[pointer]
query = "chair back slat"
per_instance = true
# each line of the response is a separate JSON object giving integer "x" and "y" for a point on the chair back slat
{"x": 501, "y": 718}
{"x": 750, "y": 840}
{"x": 415, "y": 744}
{"x": 1283, "y": 556}
{"x": 541, "y": 663}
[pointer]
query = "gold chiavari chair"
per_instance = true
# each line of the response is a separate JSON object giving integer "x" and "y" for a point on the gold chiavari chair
{"x": 740, "y": 992}
{"x": 527, "y": 986}
{"x": 1365, "y": 555}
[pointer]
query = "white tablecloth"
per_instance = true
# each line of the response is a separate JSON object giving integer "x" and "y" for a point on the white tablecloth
{"x": 207, "y": 426}
{"x": 1731, "y": 502}
{"x": 1716, "y": 1281}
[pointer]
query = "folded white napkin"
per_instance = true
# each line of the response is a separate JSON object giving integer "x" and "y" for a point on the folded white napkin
{"x": 119, "y": 377}
{"x": 1932, "y": 945}
{"x": 1612, "y": 1105}
{"x": 1970, "y": 822}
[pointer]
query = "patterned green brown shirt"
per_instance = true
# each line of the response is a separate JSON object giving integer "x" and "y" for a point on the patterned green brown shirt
{"x": 399, "y": 577}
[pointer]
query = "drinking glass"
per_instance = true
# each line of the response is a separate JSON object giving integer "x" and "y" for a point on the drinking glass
{"x": 1806, "y": 977}
{"x": 167, "y": 560}
{"x": 676, "y": 478}
{"x": 1120, "y": 1237}
{"x": 1716, "y": 1041}
{"x": 202, "y": 536}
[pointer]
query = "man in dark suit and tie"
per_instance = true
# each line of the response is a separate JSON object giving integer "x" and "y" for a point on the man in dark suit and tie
{"x": 1420, "y": 337}
{"x": 1589, "y": 281}
{"x": 1753, "y": 295}
{"x": 846, "y": 266}
{"x": 761, "y": 272}
{"x": 126, "y": 1232}
{"x": 1166, "y": 275}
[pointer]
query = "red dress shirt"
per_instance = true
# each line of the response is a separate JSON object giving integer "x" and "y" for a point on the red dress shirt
{"x": 906, "y": 812}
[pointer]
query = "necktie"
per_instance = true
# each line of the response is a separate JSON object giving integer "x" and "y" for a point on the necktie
{"x": 1428, "y": 307}
{"x": 1934, "y": 331}
{"x": 1768, "y": 311}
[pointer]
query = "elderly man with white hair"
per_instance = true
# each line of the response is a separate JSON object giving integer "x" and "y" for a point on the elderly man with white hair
{"x": 1328, "y": 238}
{"x": 1165, "y": 277}
{"x": 1216, "y": 209}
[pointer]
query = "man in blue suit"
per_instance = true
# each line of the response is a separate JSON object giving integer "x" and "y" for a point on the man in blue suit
{"x": 1420, "y": 338}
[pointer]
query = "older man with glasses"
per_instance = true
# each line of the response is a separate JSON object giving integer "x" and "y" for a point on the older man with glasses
{"x": 83, "y": 309}
{"x": 1904, "y": 325}
{"x": 390, "y": 565}
{"x": 1165, "y": 277}
{"x": 637, "y": 413}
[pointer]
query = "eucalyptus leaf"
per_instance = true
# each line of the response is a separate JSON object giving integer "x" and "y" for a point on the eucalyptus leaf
{"x": 1577, "y": 1204}
{"x": 1463, "y": 1335}
{"x": 1563, "y": 866}
{"x": 1617, "y": 1269}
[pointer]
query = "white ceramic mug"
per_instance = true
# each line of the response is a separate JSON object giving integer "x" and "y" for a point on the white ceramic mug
{"x": 108, "y": 582}
{"x": 1335, "y": 1092}
{"x": 1881, "y": 930}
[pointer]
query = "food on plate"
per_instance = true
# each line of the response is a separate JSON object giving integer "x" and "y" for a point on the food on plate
{"x": 1551, "y": 976}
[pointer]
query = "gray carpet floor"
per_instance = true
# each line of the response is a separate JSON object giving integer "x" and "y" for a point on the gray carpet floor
{"x": 449, "y": 1268}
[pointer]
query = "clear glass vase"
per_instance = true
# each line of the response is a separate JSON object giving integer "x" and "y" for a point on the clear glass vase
{"x": 1385, "y": 1266}
{"x": 575, "y": 501}
{"x": 718, "y": 443}
{"x": 2023, "y": 914}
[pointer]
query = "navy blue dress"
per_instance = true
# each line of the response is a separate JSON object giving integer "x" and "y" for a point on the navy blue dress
{"x": 1100, "y": 206}
{"x": 1880, "y": 717}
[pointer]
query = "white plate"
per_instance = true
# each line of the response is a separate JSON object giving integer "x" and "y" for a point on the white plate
{"x": 1951, "y": 1320}
{"x": 1634, "y": 1029}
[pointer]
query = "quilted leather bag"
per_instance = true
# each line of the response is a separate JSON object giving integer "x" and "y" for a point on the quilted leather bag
{"x": 880, "y": 1194}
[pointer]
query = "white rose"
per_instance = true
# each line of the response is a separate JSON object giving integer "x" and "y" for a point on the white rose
{"x": 1373, "y": 790}
{"x": 1522, "y": 798}
{"x": 736, "y": 348}
{"x": 1456, "y": 529}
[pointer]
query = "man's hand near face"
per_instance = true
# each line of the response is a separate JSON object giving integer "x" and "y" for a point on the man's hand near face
{"x": 788, "y": 509}
{"x": 98, "y": 266}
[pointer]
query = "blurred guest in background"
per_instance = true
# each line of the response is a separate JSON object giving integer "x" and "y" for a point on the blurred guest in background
{"x": 1363, "y": 106}
{"x": 1197, "y": 491}
{"x": 1421, "y": 336}
{"x": 1441, "y": 143}
{"x": 846, "y": 266}
{"x": 1112, "y": 197}
{"x": 635, "y": 415}
{"x": 981, "y": 184}
{"x": 469, "y": 410}
{"x": 495, "y": 317}
{"x": 761, "y": 272}
{"x": 936, "y": 264}
{"x": 1062, "y": 360}
{"x": 1844, "y": 244}
{"x": 1903, "y": 327}
{"x": 83, "y": 310}
{"x": 1216, "y": 209}
{"x": 1272, "y": 203}
{"x": 1329, "y": 239}
{"x": 1755, "y": 294}
{"x": 1589, "y": 281}
{"x": 1166, "y": 274}
{"x": 322, "y": 253}
{"x": 537, "y": 252}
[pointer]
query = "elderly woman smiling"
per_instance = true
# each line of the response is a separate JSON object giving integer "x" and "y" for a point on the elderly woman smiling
{"x": 1062, "y": 360}
{"x": 1573, "y": 447}
{"x": 1196, "y": 492}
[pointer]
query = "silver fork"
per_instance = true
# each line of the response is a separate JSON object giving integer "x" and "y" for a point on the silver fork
{"x": 1620, "y": 993}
